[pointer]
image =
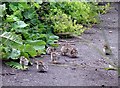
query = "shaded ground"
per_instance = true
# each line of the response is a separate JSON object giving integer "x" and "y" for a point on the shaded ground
{"x": 87, "y": 73}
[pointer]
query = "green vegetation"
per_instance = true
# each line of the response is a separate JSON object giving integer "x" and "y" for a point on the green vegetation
{"x": 28, "y": 28}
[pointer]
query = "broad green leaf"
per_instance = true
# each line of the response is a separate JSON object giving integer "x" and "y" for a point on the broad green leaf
{"x": 5, "y": 52}
{"x": 15, "y": 19}
{"x": 21, "y": 24}
{"x": 50, "y": 41}
{"x": 23, "y": 5}
{"x": 13, "y": 7}
{"x": 36, "y": 42}
{"x": 54, "y": 45}
{"x": 37, "y": 5}
{"x": 34, "y": 21}
{"x": 15, "y": 65}
{"x": 11, "y": 37}
{"x": 29, "y": 49}
{"x": 24, "y": 54}
{"x": 29, "y": 14}
{"x": 40, "y": 49}
{"x": 14, "y": 54}
{"x": 43, "y": 35}
{"x": 9, "y": 18}
{"x": 38, "y": 45}
{"x": 26, "y": 50}
{"x": 18, "y": 14}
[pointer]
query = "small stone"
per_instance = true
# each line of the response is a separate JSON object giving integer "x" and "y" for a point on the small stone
{"x": 73, "y": 68}
{"x": 95, "y": 69}
{"x": 110, "y": 31}
{"x": 54, "y": 78}
{"x": 103, "y": 85}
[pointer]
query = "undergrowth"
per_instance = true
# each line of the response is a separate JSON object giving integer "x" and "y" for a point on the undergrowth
{"x": 28, "y": 28}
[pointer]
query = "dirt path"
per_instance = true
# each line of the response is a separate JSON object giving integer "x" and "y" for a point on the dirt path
{"x": 88, "y": 73}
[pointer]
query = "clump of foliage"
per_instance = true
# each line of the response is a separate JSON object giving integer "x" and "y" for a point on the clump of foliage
{"x": 84, "y": 12}
{"x": 22, "y": 33}
{"x": 74, "y": 17}
{"x": 63, "y": 23}
{"x": 29, "y": 27}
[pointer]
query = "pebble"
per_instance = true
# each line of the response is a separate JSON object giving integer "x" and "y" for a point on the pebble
{"x": 73, "y": 68}
{"x": 110, "y": 31}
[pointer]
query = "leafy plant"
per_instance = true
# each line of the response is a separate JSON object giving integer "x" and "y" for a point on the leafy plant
{"x": 16, "y": 65}
{"x": 23, "y": 34}
{"x": 83, "y": 12}
{"x": 27, "y": 28}
{"x": 63, "y": 23}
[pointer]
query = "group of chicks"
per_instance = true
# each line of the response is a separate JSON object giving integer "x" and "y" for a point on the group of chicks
{"x": 66, "y": 50}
